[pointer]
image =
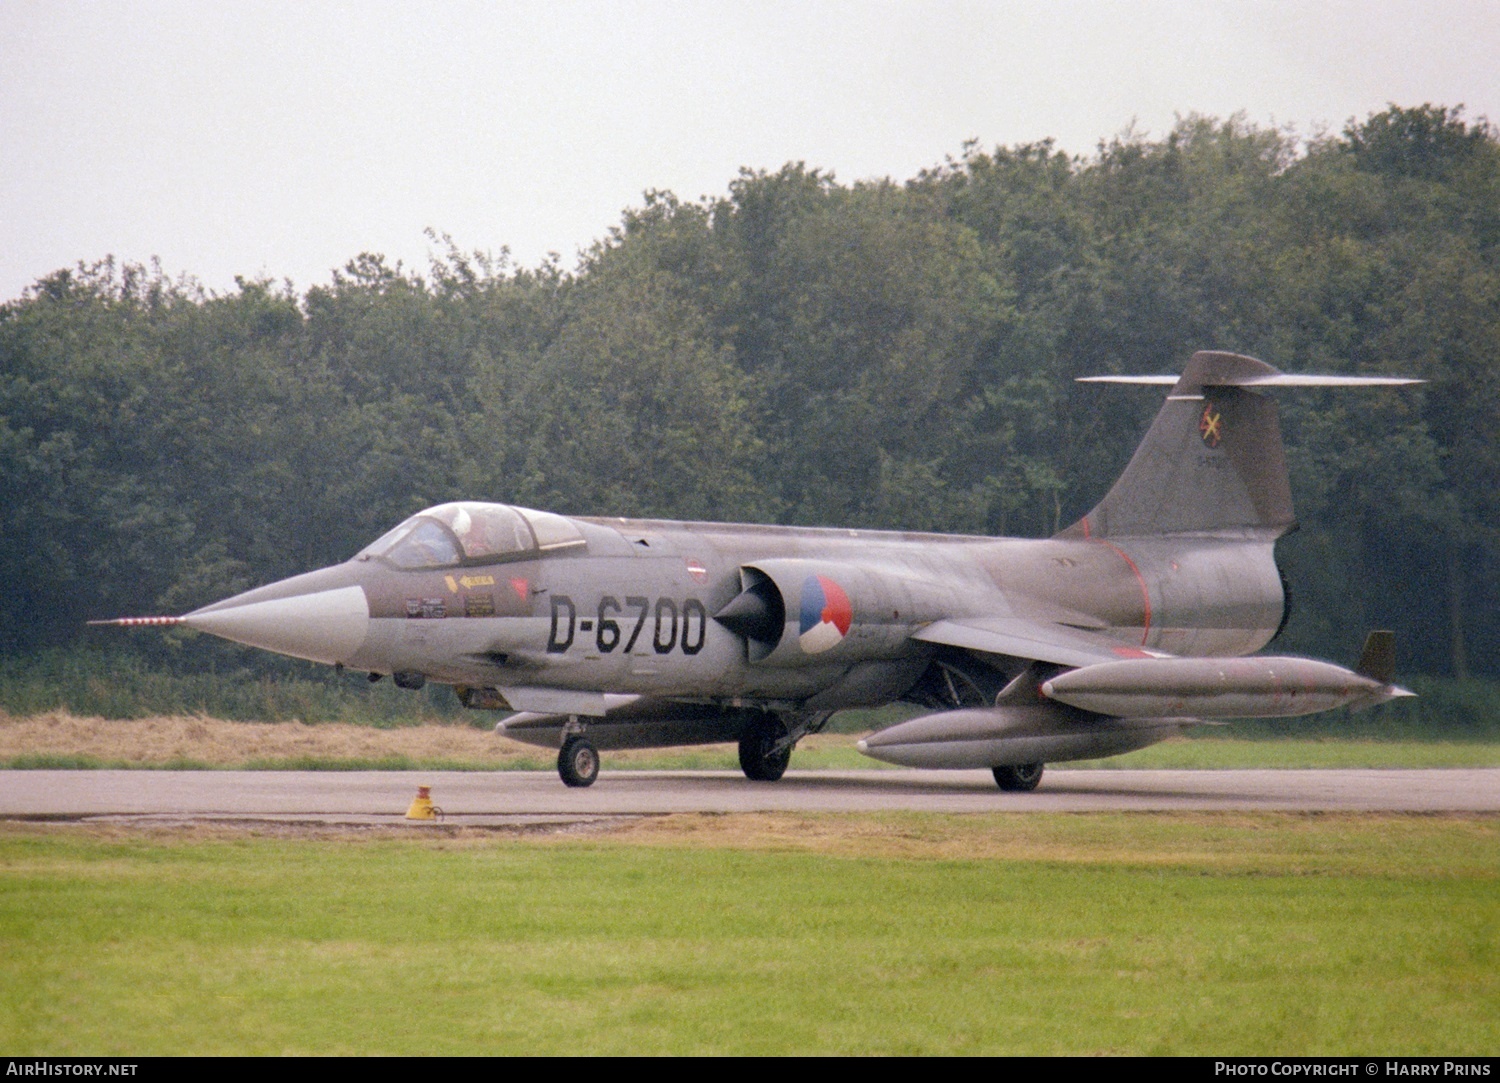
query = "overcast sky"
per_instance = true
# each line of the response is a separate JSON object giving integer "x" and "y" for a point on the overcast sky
{"x": 281, "y": 139}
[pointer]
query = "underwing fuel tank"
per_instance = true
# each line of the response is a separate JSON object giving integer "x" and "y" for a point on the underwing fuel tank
{"x": 1266, "y": 687}
{"x": 1012, "y": 735}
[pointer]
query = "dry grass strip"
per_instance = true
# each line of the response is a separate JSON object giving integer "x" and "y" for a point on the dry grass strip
{"x": 214, "y": 742}
{"x": 154, "y": 742}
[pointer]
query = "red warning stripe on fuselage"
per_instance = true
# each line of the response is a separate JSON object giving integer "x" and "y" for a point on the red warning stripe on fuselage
{"x": 1139, "y": 578}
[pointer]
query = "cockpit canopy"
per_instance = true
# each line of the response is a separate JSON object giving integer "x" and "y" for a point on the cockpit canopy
{"x": 468, "y": 532}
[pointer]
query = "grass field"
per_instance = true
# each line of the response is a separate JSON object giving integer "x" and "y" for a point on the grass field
{"x": 901, "y": 933}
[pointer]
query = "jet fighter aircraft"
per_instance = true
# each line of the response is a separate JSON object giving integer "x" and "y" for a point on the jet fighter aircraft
{"x": 1138, "y": 620}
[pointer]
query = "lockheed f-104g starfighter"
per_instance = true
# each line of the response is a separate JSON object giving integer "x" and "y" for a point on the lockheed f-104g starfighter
{"x": 1138, "y": 620}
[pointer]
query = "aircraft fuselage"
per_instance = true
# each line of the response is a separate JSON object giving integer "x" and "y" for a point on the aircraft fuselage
{"x": 631, "y": 610}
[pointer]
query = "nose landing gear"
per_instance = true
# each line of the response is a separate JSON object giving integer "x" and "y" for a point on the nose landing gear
{"x": 578, "y": 762}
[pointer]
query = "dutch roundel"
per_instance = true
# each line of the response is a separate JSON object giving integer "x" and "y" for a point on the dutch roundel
{"x": 826, "y": 614}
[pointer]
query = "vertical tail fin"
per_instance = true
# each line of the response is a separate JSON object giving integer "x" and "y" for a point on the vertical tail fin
{"x": 1212, "y": 460}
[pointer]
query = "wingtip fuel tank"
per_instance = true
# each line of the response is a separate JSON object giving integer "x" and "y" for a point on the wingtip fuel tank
{"x": 1214, "y": 688}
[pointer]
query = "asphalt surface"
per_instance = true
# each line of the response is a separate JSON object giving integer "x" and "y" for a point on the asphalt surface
{"x": 529, "y": 798}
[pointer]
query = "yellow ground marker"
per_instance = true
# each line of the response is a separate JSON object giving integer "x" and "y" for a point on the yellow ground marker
{"x": 422, "y": 807}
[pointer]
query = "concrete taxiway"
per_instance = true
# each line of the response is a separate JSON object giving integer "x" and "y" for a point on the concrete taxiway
{"x": 522, "y": 798}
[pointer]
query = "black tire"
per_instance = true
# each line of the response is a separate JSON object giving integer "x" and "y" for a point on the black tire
{"x": 1021, "y": 778}
{"x": 757, "y": 760}
{"x": 578, "y": 762}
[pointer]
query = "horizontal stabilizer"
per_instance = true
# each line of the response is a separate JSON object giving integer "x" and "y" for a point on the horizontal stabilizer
{"x": 1280, "y": 379}
{"x": 1162, "y": 381}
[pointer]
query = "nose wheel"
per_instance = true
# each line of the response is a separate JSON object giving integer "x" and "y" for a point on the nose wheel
{"x": 578, "y": 762}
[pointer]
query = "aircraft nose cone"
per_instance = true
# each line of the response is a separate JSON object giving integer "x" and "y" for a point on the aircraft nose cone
{"x": 322, "y": 625}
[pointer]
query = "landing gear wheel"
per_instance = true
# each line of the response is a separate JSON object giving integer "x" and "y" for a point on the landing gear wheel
{"x": 578, "y": 762}
{"x": 757, "y": 758}
{"x": 1023, "y": 777}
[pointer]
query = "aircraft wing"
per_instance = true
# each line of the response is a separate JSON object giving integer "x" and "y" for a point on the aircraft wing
{"x": 1042, "y": 641}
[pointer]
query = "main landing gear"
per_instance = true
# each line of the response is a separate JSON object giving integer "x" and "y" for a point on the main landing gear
{"x": 766, "y": 743}
{"x": 578, "y": 762}
{"x": 1022, "y": 778}
{"x": 765, "y": 749}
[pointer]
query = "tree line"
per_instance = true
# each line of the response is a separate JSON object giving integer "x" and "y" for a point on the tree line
{"x": 801, "y": 350}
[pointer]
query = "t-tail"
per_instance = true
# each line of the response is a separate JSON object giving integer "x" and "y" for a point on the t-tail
{"x": 1212, "y": 462}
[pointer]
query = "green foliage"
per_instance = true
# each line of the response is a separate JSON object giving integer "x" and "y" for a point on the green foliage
{"x": 1228, "y": 749}
{"x": 1443, "y": 709}
{"x": 796, "y": 350}
{"x": 234, "y": 684}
